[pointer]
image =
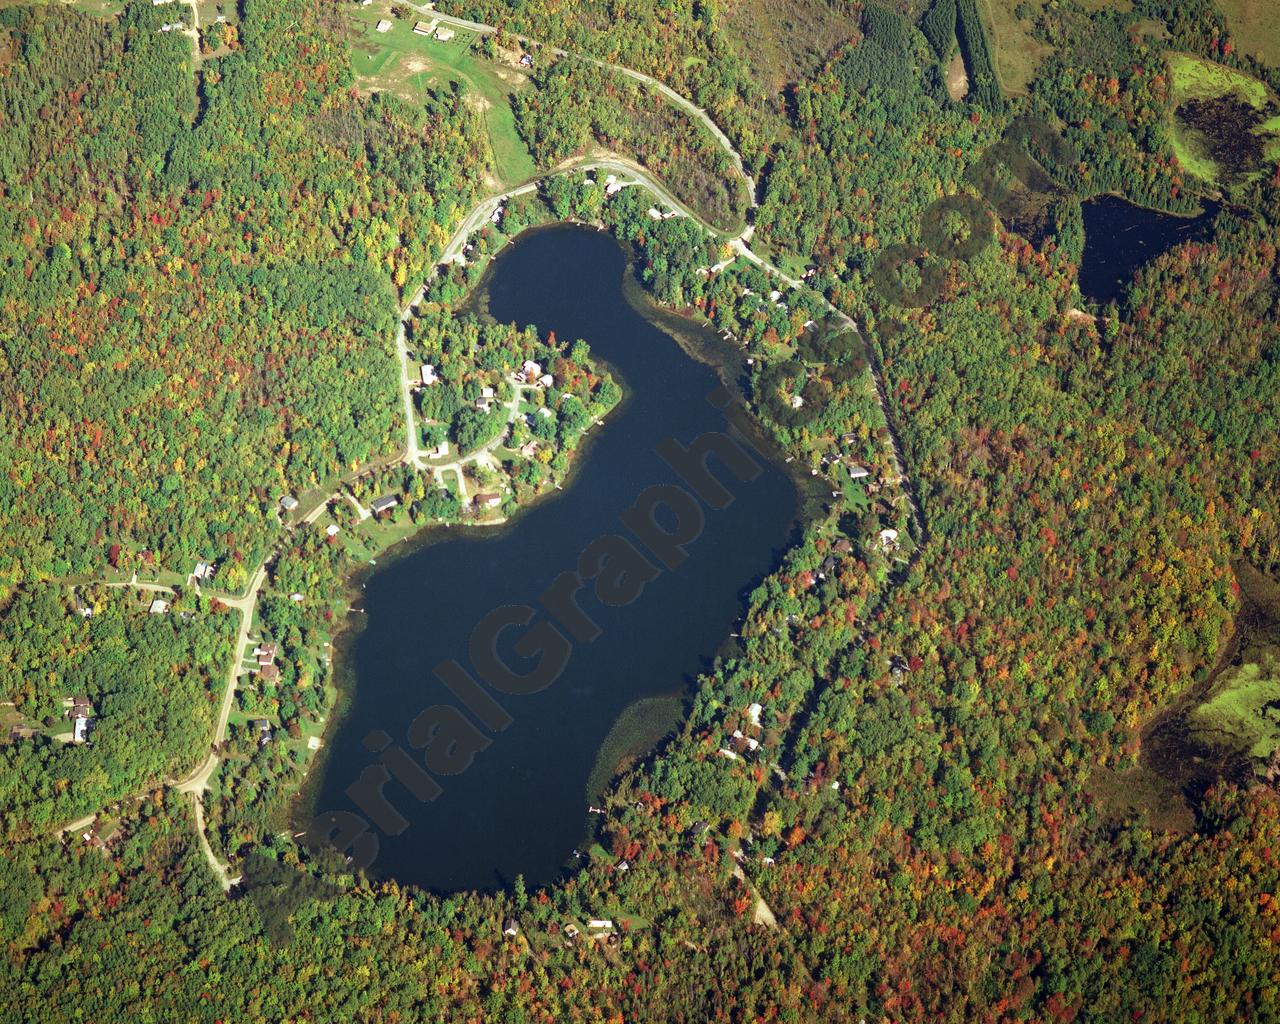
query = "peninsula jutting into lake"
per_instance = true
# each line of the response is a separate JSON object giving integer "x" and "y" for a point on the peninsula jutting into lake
{"x": 520, "y": 807}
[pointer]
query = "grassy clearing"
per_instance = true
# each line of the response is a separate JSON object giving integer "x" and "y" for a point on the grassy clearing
{"x": 1202, "y": 149}
{"x": 1243, "y": 714}
{"x": 786, "y": 40}
{"x": 1196, "y": 78}
{"x": 1016, "y": 53}
{"x": 408, "y": 64}
{"x": 1255, "y": 28}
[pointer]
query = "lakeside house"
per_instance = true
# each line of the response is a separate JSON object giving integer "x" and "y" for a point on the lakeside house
{"x": 488, "y": 500}
{"x": 264, "y": 730}
{"x": 384, "y": 504}
{"x": 78, "y": 707}
{"x": 530, "y": 371}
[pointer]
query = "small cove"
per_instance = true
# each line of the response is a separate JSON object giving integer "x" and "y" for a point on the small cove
{"x": 521, "y": 805}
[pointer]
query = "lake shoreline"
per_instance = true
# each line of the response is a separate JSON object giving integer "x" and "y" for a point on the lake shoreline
{"x": 698, "y": 342}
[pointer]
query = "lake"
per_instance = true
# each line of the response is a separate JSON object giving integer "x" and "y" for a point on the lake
{"x": 521, "y": 807}
{"x": 1120, "y": 237}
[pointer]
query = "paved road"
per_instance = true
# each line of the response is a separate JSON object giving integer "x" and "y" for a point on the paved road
{"x": 698, "y": 113}
{"x": 197, "y": 782}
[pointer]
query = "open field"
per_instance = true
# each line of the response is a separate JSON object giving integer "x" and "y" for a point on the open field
{"x": 408, "y": 64}
{"x": 1255, "y": 28}
{"x": 787, "y": 39}
{"x": 1015, "y": 52}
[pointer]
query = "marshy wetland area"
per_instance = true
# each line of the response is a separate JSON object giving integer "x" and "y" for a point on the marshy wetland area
{"x": 1226, "y": 727}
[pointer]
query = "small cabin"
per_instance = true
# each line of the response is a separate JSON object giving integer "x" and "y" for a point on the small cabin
{"x": 384, "y": 504}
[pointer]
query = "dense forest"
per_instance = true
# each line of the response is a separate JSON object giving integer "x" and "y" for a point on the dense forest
{"x": 198, "y": 287}
{"x": 914, "y": 789}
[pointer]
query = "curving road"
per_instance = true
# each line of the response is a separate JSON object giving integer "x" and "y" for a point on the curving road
{"x": 197, "y": 782}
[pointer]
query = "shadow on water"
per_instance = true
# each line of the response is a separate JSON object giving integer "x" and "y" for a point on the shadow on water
{"x": 520, "y": 806}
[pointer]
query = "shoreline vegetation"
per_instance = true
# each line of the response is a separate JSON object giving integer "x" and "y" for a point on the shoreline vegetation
{"x": 902, "y": 762}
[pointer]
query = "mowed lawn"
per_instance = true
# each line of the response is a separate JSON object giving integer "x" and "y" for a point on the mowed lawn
{"x": 408, "y": 64}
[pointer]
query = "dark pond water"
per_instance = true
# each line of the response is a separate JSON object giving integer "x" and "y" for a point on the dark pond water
{"x": 1120, "y": 237}
{"x": 521, "y": 805}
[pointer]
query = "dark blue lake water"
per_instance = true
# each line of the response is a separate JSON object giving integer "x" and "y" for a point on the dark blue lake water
{"x": 521, "y": 806}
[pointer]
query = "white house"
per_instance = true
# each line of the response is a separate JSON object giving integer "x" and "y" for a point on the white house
{"x": 486, "y": 392}
{"x": 80, "y": 729}
{"x": 753, "y": 712}
{"x": 159, "y": 606}
{"x": 530, "y": 371}
{"x": 427, "y": 373}
{"x": 888, "y": 539}
{"x": 600, "y": 924}
{"x": 545, "y": 381}
{"x": 383, "y": 25}
{"x": 332, "y": 530}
